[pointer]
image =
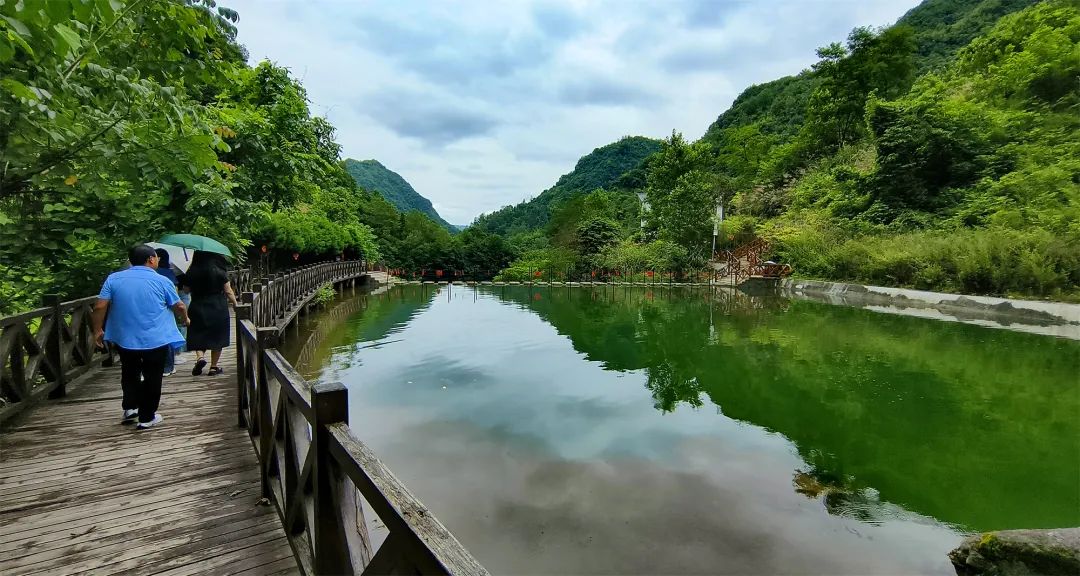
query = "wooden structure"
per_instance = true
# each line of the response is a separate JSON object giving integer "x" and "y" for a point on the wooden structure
{"x": 318, "y": 475}
{"x": 80, "y": 494}
{"x": 44, "y": 349}
{"x": 745, "y": 262}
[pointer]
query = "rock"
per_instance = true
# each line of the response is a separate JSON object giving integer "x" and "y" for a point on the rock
{"x": 1019, "y": 552}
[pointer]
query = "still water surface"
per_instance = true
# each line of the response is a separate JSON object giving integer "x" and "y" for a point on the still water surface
{"x": 580, "y": 430}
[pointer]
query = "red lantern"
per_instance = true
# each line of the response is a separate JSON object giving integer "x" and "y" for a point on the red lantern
{"x": 438, "y": 273}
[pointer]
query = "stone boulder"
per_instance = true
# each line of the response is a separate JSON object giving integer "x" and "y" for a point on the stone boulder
{"x": 1010, "y": 552}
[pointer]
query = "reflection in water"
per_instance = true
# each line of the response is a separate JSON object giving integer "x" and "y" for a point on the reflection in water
{"x": 655, "y": 430}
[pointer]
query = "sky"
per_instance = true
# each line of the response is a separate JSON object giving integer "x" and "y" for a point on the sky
{"x": 481, "y": 105}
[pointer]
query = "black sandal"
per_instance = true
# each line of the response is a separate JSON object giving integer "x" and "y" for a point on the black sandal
{"x": 197, "y": 369}
{"x": 214, "y": 371}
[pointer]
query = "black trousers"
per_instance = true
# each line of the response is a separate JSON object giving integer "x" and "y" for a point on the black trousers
{"x": 145, "y": 395}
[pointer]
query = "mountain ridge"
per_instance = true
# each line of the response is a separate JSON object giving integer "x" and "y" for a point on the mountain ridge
{"x": 373, "y": 175}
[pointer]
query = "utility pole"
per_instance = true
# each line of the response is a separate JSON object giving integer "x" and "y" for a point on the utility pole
{"x": 716, "y": 225}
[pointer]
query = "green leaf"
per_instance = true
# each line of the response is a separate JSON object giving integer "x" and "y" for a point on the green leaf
{"x": 58, "y": 10}
{"x": 69, "y": 36}
{"x": 18, "y": 89}
{"x": 17, "y": 25}
{"x": 18, "y": 41}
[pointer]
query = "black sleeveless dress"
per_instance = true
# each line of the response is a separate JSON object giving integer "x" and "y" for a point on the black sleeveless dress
{"x": 209, "y": 311}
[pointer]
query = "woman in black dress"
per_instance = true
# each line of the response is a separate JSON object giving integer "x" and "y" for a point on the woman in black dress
{"x": 208, "y": 281}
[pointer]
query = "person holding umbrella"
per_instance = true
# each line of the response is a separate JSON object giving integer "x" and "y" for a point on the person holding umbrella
{"x": 211, "y": 293}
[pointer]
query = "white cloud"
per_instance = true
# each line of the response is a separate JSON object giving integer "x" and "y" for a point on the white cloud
{"x": 483, "y": 104}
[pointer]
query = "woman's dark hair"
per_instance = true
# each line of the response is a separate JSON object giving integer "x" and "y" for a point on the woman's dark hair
{"x": 205, "y": 260}
{"x": 163, "y": 257}
{"x": 207, "y": 269}
{"x": 140, "y": 254}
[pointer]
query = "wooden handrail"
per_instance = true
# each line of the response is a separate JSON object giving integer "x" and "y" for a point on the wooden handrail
{"x": 42, "y": 350}
{"x": 314, "y": 471}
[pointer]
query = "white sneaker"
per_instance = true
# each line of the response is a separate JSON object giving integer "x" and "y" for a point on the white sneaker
{"x": 147, "y": 425}
{"x": 130, "y": 416}
{"x": 164, "y": 374}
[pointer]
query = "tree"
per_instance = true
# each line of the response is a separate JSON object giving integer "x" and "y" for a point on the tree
{"x": 872, "y": 62}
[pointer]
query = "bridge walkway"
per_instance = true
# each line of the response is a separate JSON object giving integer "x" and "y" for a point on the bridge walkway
{"x": 82, "y": 494}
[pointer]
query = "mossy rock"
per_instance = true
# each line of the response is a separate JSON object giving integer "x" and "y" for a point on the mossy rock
{"x": 1010, "y": 552}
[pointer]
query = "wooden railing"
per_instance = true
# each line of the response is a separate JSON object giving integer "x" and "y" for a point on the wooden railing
{"x": 42, "y": 350}
{"x": 316, "y": 473}
{"x": 745, "y": 261}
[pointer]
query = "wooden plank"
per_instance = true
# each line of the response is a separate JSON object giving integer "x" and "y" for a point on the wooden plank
{"x": 46, "y": 536}
{"x": 80, "y": 493}
{"x": 129, "y": 541}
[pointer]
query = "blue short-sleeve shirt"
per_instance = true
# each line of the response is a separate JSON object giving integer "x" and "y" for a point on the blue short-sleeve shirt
{"x": 140, "y": 309}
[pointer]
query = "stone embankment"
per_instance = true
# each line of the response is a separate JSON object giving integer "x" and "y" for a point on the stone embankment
{"x": 1047, "y": 318}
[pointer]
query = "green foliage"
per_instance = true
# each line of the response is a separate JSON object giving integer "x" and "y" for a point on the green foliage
{"x": 996, "y": 261}
{"x": 539, "y": 264}
{"x": 943, "y": 27}
{"x": 963, "y": 180}
{"x": 371, "y": 175}
{"x": 683, "y": 192}
{"x": 325, "y": 294}
{"x": 123, "y": 121}
{"x": 872, "y": 62}
{"x": 603, "y": 168}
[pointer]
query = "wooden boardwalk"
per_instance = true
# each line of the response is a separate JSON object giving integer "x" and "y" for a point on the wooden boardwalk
{"x": 82, "y": 494}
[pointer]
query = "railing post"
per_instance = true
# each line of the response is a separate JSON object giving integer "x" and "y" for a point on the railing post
{"x": 330, "y": 403}
{"x": 54, "y": 346}
{"x": 267, "y": 338}
{"x": 243, "y": 312}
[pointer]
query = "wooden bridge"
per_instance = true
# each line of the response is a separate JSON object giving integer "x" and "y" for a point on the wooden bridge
{"x": 253, "y": 472}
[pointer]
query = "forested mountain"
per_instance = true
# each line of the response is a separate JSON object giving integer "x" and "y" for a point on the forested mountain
{"x": 943, "y": 27}
{"x": 939, "y": 29}
{"x": 601, "y": 168}
{"x": 938, "y": 153}
{"x": 372, "y": 175}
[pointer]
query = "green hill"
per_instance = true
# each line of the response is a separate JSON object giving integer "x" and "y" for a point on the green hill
{"x": 371, "y": 175}
{"x": 939, "y": 28}
{"x": 601, "y": 168}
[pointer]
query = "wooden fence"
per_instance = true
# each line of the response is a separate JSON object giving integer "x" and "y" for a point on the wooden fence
{"x": 42, "y": 350}
{"x": 316, "y": 473}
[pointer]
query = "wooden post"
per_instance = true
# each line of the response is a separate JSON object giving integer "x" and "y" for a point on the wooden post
{"x": 54, "y": 346}
{"x": 243, "y": 312}
{"x": 330, "y": 402}
{"x": 267, "y": 339}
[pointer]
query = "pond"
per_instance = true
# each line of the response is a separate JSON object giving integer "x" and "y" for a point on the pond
{"x": 644, "y": 431}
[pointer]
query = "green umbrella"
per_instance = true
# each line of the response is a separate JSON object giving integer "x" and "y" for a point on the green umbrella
{"x": 196, "y": 242}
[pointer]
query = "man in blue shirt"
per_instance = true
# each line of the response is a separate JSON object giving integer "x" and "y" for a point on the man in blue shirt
{"x": 142, "y": 306}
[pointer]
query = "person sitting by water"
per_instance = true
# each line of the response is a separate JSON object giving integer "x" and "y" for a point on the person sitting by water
{"x": 142, "y": 326}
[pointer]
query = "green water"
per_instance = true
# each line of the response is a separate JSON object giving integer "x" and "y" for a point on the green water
{"x": 579, "y": 430}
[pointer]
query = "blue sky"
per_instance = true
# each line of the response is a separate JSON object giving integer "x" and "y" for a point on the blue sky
{"x": 484, "y": 104}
